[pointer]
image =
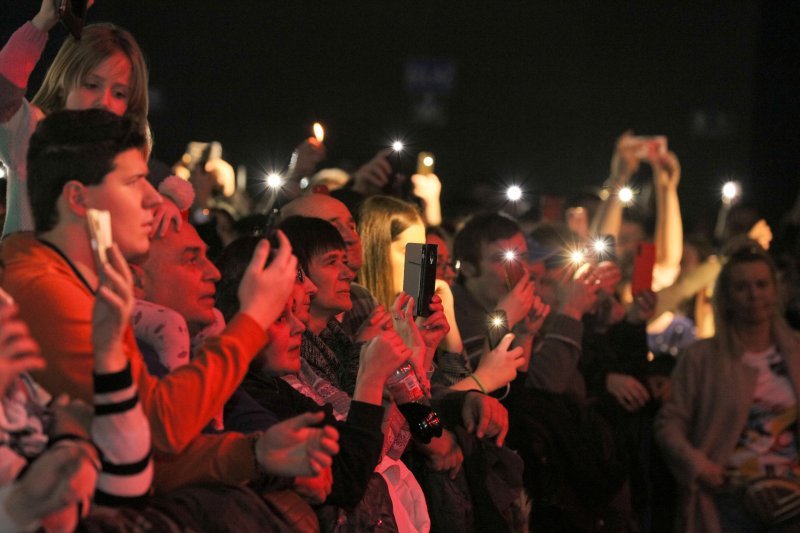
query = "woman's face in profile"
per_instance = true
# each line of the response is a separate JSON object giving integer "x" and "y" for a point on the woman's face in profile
{"x": 397, "y": 252}
{"x": 752, "y": 293}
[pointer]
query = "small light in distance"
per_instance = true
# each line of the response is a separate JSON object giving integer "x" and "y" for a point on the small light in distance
{"x": 319, "y": 132}
{"x": 730, "y": 191}
{"x": 510, "y": 255}
{"x": 398, "y": 146}
{"x": 274, "y": 180}
{"x": 514, "y": 193}
{"x": 625, "y": 195}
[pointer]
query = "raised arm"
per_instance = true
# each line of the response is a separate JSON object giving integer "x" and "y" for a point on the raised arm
{"x": 669, "y": 224}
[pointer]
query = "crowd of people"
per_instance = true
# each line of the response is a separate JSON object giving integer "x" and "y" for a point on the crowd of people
{"x": 252, "y": 363}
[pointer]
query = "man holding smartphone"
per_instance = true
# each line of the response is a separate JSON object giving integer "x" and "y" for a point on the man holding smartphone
{"x": 80, "y": 160}
{"x": 494, "y": 254}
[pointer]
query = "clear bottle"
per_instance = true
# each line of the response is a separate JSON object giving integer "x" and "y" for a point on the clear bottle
{"x": 407, "y": 393}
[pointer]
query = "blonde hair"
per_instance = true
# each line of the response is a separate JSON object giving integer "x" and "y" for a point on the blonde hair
{"x": 382, "y": 219}
{"x": 77, "y": 58}
{"x": 742, "y": 251}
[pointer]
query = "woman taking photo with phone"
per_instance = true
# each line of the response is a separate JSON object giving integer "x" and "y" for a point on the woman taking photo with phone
{"x": 729, "y": 433}
{"x": 104, "y": 69}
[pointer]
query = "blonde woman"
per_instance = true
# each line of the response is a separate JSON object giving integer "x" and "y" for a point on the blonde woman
{"x": 732, "y": 418}
{"x": 104, "y": 69}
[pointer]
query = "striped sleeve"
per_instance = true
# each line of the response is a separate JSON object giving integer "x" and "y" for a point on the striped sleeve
{"x": 122, "y": 434}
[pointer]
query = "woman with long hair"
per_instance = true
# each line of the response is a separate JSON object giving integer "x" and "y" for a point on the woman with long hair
{"x": 103, "y": 69}
{"x": 732, "y": 419}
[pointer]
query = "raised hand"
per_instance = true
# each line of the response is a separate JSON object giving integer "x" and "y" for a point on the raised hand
{"x": 666, "y": 171}
{"x": 295, "y": 448}
{"x": 625, "y": 161}
{"x": 47, "y": 17}
{"x": 111, "y": 314}
{"x": 578, "y": 295}
{"x": 518, "y": 302}
{"x": 426, "y": 187}
{"x": 499, "y": 366}
{"x": 406, "y": 327}
{"x": 165, "y": 213}
{"x": 263, "y": 292}
{"x": 435, "y": 327}
{"x": 373, "y": 175}
{"x": 308, "y": 154}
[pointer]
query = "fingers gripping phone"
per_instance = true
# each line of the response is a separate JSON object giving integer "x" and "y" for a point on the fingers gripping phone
{"x": 419, "y": 275}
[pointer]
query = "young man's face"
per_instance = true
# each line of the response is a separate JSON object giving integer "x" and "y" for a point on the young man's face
{"x": 330, "y": 273}
{"x": 498, "y": 269}
{"x": 131, "y": 200}
{"x": 177, "y": 274}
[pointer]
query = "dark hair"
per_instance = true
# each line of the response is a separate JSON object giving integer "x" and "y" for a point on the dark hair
{"x": 74, "y": 145}
{"x": 481, "y": 229}
{"x": 232, "y": 263}
{"x": 311, "y": 237}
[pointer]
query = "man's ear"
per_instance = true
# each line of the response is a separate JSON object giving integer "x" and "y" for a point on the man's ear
{"x": 74, "y": 193}
{"x": 138, "y": 281}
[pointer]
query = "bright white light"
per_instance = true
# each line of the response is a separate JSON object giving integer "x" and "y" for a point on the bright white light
{"x": 576, "y": 256}
{"x": 600, "y": 246}
{"x": 319, "y": 132}
{"x": 625, "y": 195}
{"x": 497, "y": 321}
{"x": 398, "y": 146}
{"x": 2, "y": 171}
{"x": 730, "y": 191}
{"x": 510, "y": 255}
{"x": 427, "y": 161}
{"x": 514, "y": 193}
{"x": 274, "y": 180}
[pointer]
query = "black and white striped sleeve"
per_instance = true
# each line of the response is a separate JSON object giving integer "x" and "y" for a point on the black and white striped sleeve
{"x": 121, "y": 432}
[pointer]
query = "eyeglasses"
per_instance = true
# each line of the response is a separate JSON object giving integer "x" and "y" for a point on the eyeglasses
{"x": 301, "y": 276}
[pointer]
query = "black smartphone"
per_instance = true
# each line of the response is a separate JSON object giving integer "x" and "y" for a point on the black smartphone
{"x": 73, "y": 15}
{"x": 419, "y": 275}
{"x": 498, "y": 327}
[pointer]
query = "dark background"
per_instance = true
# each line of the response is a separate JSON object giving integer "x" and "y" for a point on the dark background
{"x": 541, "y": 90}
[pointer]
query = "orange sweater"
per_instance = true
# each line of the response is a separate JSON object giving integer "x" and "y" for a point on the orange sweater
{"x": 57, "y": 306}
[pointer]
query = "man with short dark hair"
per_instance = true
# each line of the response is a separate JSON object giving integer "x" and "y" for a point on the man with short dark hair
{"x": 80, "y": 160}
{"x": 494, "y": 276}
